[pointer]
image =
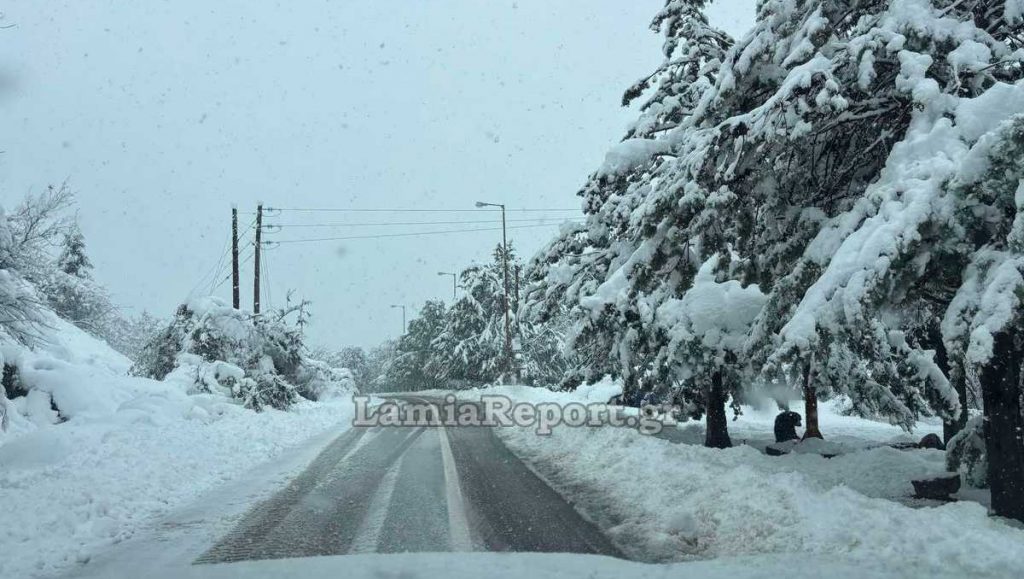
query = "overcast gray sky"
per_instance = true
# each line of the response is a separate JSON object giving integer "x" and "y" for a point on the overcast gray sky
{"x": 163, "y": 113}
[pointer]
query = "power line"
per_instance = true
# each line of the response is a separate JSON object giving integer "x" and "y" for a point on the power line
{"x": 266, "y": 279}
{"x": 397, "y": 223}
{"x": 416, "y": 234}
{"x": 241, "y": 262}
{"x": 410, "y": 210}
{"x": 211, "y": 274}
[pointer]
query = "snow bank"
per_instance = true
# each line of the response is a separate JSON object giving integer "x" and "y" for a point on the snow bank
{"x": 121, "y": 451}
{"x": 669, "y": 502}
{"x": 79, "y": 487}
{"x": 546, "y": 566}
{"x": 664, "y": 501}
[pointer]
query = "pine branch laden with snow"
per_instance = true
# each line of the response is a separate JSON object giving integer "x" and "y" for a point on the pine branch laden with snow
{"x": 693, "y": 51}
{"x": 704, "y": 334}
{"x": 816, "y": 166}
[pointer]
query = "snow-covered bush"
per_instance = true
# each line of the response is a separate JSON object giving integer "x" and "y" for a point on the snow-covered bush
{"x": 322, "y": 381}
{"x": 211, "y": 347}
{"x": 354, "y": 359}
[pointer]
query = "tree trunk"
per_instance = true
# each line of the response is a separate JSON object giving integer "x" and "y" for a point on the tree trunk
{"x": 810, "y": 406}
{"x": 950, "y": 427}
{"x": 1004, "y": 427}
{"x": 717, "y": 435}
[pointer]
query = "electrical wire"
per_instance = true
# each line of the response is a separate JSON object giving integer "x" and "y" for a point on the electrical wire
{"x": 411, "y": 210}
{"x": 400, "y": 223}
{"x": 241, "y": 262}
{"x": 212, "y": 273}
{"x": 415, "y": 234}
{"x": 265, "y": 281}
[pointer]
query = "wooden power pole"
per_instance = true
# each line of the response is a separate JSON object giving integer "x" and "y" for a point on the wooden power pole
{"x": 256, "y": 260}
{"x": 235, "y": 282}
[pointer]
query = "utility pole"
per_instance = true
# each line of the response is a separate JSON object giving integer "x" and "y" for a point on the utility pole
{"x": 403, "y": 317}
{"x": 516, "y": 295}
{"x": 256, "y": 260}
{"x": 504, "y": 260}
{"x": 235, "y": 282}
{"x": 454, "y": 282}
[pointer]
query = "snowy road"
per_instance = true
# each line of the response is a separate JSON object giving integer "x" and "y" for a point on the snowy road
{"x": 403, "y": 489}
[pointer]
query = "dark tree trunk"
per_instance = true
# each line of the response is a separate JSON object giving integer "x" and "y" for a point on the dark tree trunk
{"x": 717, "y": 423}
{"x": 810, "y": 406}
{"x": 1004, "y": 427}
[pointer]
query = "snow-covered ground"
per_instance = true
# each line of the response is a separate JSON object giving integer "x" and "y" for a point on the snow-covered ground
{"x": 665, "y": 501}
{"x": 547, "y": 566}
{"x": 132, "y": 450}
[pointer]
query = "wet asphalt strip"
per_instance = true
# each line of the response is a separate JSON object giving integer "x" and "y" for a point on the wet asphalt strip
{"x": 401, "y": 489}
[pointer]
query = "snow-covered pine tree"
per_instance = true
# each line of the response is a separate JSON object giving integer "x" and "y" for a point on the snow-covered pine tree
{"x": 840, "y": 314}
{"x": 706, "y": 331}
{"x": 932, "y": 231}
{"x": 984, "y": 322}
{"x": 471, "y": 346}
{"x": 693, "y": 51}
{"x": 568, "y": 267}
{"x": 602, "y": 268}
{"x": 407, "y": 371}
{"x": 73, "y": 259}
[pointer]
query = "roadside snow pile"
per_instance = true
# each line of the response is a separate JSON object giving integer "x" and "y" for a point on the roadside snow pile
{"x": 69, "y": 491}
{"x": 670, "y": 502}
{"x": 91, "y": 454}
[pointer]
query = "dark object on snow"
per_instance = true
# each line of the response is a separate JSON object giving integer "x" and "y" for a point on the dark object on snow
{"x": 938, "y": 488}
{"x": 772, "y": 450}
{"x": 932, "y": 441}
{"x": 785, "y": 426}
{"x": 636, "y": 399}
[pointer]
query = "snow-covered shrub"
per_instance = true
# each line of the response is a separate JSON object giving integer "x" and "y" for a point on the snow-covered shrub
{"x": 129, "y": 334}
{"x": 79, "y": 300}
{"x": 211, "y": 347}
{"x": 966, "y": 454}
{"x": 321, "y": 381}
{"x": 354, "y": 359}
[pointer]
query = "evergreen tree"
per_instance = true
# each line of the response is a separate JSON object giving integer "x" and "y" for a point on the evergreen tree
{"x": 73, "y": 259}
{"x": 471, "y": 346}
{"x": 407, "y": 371}
{"x": 776, "y": 167}
{"x": 693, "y": 51}
{"x": 603, "y": 268}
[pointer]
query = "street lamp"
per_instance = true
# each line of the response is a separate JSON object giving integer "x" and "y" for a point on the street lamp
{"x": 454, "y": 281}
{"x": 504, "y": 260}
{"x": 403, "y": 317}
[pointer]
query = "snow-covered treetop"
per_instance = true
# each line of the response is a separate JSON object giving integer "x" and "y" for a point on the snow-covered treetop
{"x": 713, "y": 316}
